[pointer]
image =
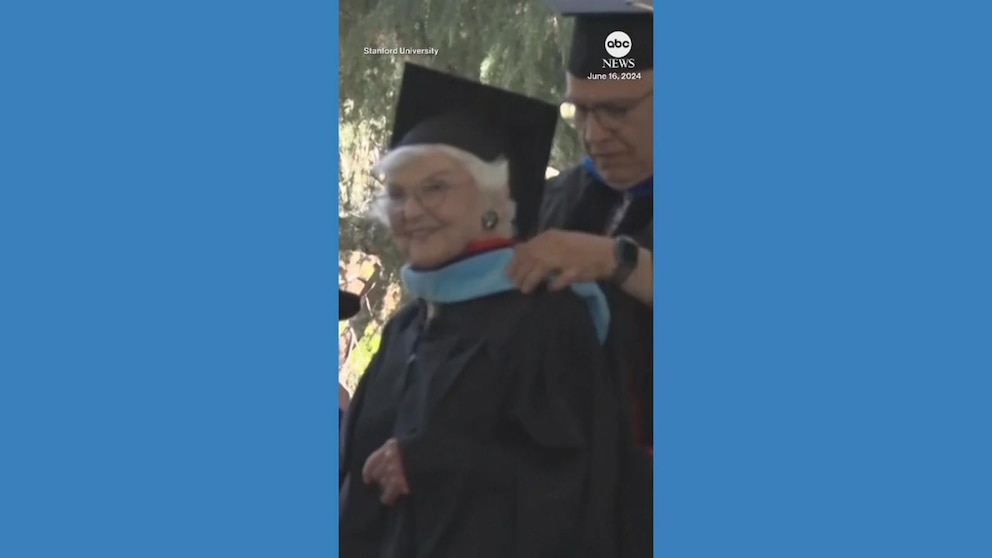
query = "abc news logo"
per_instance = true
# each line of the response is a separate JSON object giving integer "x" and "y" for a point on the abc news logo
{"x": 618, "y": 45}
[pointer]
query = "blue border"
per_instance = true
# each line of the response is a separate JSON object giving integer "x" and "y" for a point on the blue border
{"x": 168, "y": 206}
{"x": 823, "y": 339}
{"x": 167, "y": 213}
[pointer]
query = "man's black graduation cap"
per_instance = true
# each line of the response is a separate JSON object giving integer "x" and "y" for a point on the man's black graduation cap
{"x": 595, "y": 20}
{"x": 348, "y": 305}
{"x": 490, "y": 123}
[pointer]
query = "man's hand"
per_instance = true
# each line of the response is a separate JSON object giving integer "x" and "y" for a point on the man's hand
{"x": 564, "y": 258}
{"x": 385, "y": 468}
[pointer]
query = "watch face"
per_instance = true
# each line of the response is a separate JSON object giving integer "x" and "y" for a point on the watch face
{"x": 628, "y": 251}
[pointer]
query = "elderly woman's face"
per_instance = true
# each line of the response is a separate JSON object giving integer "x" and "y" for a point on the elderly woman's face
{"x": 434, "y": 209}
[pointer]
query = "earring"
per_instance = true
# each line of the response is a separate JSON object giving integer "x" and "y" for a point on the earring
{"x": 489, "y": 220}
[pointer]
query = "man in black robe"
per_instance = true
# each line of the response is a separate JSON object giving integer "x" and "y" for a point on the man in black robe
{"x": 597, "y": 217}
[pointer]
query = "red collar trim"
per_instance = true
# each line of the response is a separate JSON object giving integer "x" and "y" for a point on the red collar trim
{"x": 487, "y": 245}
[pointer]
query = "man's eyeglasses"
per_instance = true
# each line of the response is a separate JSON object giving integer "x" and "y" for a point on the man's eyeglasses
{"x": 610, "y": 115}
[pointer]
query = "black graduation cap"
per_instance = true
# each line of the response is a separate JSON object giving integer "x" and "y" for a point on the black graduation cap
{"x": 490, "y": 123}
{"x": 596, "y": 21}
{"x": 348, "y": 305}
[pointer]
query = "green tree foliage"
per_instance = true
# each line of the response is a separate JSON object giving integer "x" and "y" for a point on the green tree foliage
{"x": 519, "y": 45}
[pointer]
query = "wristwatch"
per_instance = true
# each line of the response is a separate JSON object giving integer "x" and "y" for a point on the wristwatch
{"x": 625, "y": 251}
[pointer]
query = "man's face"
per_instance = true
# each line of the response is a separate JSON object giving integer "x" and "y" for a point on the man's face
{"x": 616, "y": 118}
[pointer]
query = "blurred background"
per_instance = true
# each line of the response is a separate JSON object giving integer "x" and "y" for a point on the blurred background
{"x": 518, "y": 45}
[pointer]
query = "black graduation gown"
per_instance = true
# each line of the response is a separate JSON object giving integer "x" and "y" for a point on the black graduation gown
{"x": 508, "y": 434}
{"x": 576, "y": 200}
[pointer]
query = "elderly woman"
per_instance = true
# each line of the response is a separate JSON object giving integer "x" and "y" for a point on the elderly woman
{"x": 487, "y": 425}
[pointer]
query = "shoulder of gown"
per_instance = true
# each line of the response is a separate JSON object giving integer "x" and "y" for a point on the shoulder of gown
{"x": 558, "y": 362}
{"x": 403, "y": 317}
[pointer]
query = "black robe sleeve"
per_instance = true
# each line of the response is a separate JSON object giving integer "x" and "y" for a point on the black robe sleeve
{"x": 346, "y": 429}
{"x": 563, "y": 463}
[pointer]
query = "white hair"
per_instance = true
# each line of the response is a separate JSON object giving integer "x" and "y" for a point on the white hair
{"x": 491, "y": 178}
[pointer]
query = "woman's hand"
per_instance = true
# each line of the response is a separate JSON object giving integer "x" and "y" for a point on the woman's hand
{"x": 385, "y": 468}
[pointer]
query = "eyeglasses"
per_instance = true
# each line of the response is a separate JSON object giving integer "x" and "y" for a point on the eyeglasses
{"x": 611, "y": 115}
{"x": 429, "y": 196}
